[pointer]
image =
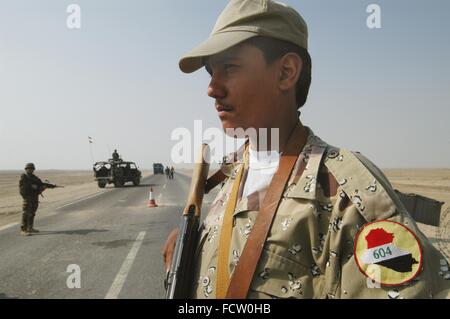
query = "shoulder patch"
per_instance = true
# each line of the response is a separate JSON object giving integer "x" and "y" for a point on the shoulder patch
{"x": 388, "y": 252}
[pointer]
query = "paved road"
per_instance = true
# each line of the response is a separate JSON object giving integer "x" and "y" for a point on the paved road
{"x": 113, "y": 238}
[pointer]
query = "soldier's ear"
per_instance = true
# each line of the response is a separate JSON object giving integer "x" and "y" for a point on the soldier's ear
{"x": 290, "y": 69}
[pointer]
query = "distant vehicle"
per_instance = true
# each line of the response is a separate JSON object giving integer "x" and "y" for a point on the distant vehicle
{"x": 158, "y": 168}
{"x": 116, "y": 172}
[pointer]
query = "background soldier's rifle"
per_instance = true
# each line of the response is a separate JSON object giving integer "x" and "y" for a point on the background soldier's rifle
{"x": 46, "y": 185}
{"x": 179, "y": 278}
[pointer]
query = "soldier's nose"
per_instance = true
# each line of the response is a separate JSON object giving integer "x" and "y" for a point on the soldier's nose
{"x": 216, "y": 90}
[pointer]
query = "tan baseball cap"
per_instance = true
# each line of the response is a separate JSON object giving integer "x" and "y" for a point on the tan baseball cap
{"x": 244, "y": 19}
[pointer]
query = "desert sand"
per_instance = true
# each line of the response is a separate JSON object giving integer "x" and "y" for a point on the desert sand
{"x": 433, "y": 183}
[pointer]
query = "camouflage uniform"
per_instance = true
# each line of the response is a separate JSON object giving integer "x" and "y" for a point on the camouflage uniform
{"x": 30, "y": 187}
{"x": 309, "y": 252}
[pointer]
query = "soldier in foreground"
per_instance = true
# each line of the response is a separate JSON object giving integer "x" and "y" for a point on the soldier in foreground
{"x": 30, "y": 187}
{"x": 324, "y": 222}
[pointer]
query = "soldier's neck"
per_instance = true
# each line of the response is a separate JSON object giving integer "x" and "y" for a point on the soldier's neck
{"x": 275, "y": 139}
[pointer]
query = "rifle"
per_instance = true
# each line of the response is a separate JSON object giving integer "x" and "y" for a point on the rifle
{"x": 46, "y": 185}
{"x": 179, "y": 279}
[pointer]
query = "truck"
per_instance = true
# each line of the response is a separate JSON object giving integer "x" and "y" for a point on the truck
{"x": 158, "y": 168}
{"x": 117, "y": 172}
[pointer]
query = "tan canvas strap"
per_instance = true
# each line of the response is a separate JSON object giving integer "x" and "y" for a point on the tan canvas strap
{"x": 214, "y": 180}
{"x": 223, "y": 274}
{"x": 245, "y": 269}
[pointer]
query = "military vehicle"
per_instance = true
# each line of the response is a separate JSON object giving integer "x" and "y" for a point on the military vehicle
{"x": 158, "y": 168}
{"x": 117, "y": 173}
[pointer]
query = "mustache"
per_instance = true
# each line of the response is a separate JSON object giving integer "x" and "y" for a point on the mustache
{"x": 224, "y": 105}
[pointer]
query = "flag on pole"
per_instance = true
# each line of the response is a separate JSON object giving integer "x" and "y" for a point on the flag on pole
{"x": 90, "y": 148}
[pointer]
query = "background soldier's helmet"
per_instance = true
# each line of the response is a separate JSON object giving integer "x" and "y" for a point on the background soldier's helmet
{"x": 30, "y": 165}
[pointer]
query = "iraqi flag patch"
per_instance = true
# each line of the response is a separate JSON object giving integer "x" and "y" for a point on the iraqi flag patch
{"x": 388, "y": 252}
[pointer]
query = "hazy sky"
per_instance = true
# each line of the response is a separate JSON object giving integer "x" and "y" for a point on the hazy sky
{"x": 384, "y": 92}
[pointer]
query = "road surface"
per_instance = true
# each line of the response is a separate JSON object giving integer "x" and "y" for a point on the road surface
{"x": 102, "y": 246}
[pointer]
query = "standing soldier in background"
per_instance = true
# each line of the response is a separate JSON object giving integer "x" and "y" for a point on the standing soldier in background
{"x": 30, "y": 187}
{"x": 167, "y": 171}
{"x": 171, "y": 172}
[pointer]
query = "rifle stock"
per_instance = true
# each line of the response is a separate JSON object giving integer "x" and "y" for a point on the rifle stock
{"x": 179, "y": 278}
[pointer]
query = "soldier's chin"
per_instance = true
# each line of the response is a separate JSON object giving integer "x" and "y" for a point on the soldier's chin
{"x": 228, "y": 126}
{"x": 235, "y": 130}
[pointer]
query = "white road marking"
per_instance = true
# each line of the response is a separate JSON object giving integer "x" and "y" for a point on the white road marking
{"x": 79, "y": 200}
{"x": 117, "y": 285}
{"x": 164, "y": 187}
{"x": 8, "y": 226}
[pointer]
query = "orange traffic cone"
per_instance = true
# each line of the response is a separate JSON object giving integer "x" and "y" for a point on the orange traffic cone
{"x": 151, "y": 199}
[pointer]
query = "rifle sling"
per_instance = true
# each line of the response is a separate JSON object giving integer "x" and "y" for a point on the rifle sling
{"x": 245, "y": 269}
{"x": 214, "y": 180}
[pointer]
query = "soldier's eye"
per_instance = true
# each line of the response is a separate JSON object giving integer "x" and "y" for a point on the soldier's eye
{"x": 229, "y": 67}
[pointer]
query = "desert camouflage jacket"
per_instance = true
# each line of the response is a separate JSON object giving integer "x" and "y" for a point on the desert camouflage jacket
{"x": 339, "y": 232}
{"x": 25, "y": 186}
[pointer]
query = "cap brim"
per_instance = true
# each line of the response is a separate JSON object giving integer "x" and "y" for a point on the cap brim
{"x": 216, "y": 43}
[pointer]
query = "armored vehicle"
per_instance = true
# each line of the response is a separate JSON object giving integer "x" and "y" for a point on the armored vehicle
{"x": 117, "y": 173}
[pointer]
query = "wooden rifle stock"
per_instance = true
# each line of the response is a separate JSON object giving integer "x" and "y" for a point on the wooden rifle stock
{"x": 179, "y": 278}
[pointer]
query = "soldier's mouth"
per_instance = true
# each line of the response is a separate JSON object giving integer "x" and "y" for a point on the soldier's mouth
{"x": 223, "y": 108}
